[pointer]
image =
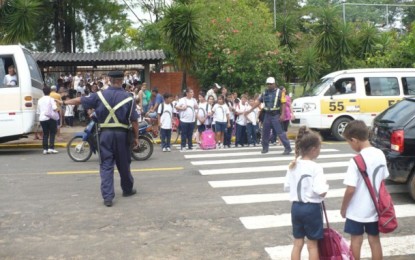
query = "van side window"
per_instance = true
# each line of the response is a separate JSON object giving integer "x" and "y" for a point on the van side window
{"x": 8, "y": 72}
{"x": 36, "y": 76}
{"x": 343, "y": 86}
{"x": 381, "y": 86}
{"x": 408, "y": 86}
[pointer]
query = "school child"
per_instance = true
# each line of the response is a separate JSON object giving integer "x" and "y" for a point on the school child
{"x": 252, "y": 123}
{"x": 220, "y": 113}
{"x": 138, "y": 109}
{"x": 229, "y": 130}
{"x": 211, "y": 101}
{"x": 240, "y": 123}
{"x": 81, "y": 110}
{"x": 358, "y": 207}
{"x": 202, "y": 115}
{"x": 307, "y": 186}
{"x": 165, "y": 116}
{"x": 69, "y": 114}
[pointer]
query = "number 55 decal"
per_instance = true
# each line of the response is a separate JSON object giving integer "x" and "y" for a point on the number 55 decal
{"x": 333, "y": 106}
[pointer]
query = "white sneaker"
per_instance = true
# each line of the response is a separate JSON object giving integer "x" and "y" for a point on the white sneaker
{"x": 217, "y": 145}
{"x": 182, "y": 149}
{"x": 164, "y": 150}
{"x": 168, "y": 149}
{"x": 45, "y": 151}
{"x": 221, "y": 146}
{"x": 53, "y": 151}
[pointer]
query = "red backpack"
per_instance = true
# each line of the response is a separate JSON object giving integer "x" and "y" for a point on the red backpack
{"x": 384, "y": 205}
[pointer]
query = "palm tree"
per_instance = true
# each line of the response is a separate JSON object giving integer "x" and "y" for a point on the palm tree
{"x": 309, "y": 67}
{"x": 327, "y": 30}
{"x": 368, "y": 38}
{"x": 344, "y": 45}
{"x": 287, "y": 28}
{"x": 182, "y": 30}
{"x": 18, "y": 20}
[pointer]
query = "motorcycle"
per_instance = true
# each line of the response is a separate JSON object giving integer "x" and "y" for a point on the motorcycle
{"x": 83, "y": 144}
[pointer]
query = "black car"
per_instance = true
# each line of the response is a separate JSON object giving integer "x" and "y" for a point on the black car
{"x": 393, "y": 132}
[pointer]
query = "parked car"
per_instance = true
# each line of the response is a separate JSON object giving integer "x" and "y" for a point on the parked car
{"x": 393, "y": 132}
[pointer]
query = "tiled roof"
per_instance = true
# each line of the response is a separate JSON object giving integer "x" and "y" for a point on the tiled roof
{"x": 99, "y": 58}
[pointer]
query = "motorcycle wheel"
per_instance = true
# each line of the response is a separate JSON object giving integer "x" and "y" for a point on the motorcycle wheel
{"x": 145, "y": 149}
{"x": 78, "y": 150}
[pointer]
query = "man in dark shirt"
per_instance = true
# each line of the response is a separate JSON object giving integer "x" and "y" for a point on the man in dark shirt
{"x": 115, "y": 111}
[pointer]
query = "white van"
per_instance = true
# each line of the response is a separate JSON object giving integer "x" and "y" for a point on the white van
{"x": 347, "y": 95}
{"x": 19, "y": 92}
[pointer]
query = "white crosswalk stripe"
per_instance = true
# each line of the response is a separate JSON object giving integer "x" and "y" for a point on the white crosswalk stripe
{"x": 234, "y": 165}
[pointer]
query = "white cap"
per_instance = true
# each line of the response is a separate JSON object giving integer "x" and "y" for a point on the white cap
{"x": 217, "y": 85}
{"x": 53, "y": 87}
{"x": 270, "y": 80}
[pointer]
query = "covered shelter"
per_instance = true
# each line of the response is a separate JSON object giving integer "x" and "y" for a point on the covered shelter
{"x": 139, "y": 60}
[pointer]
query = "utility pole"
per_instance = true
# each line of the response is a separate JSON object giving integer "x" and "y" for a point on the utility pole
{"x": 275, "y": 14}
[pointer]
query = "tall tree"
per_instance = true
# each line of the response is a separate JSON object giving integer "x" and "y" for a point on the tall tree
{"x": 183, "y": 34}
{"x": 18, "y": 20}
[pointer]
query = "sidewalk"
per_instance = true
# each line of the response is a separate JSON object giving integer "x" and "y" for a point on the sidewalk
{"x": 68, "y": 132}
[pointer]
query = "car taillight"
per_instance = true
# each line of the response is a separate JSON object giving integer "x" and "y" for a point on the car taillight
{"x": 397, "y": 140}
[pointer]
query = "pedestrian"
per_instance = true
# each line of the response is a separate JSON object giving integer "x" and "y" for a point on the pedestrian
{"x": 220, "y": 113}
{"x": 115, "y": 112}
{"x": 46, "y": 105}
{"x": 58, "y": 99}
{"x": 240, "y": 125}
{"x": 307, "y": 187}
{"x": 165, "y": 117}
{"x": 358, "y": 207}
{"x": 69, "y": 114}
{"x": 187, "y": 107}
{"x": 209, "y": 120}
{"x": 274, "y": 108}
{"x": 212, "y": 91}
{"x": 252, "y": 123}
{"x": 288, "y": 112}
{"x": 229, "y": 130}
{"x": 202, "y": 115}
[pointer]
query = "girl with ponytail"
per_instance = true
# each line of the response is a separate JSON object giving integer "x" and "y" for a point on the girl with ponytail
{"x": 307, "y": 186}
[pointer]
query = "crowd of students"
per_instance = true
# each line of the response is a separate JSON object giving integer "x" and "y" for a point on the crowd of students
{"x": 225, "y": 113}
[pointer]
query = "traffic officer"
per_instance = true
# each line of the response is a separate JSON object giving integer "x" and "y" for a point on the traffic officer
{"x": 115, "y": 112}
{"x": 274, "y": 107}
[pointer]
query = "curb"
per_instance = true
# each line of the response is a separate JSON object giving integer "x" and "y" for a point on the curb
{"x": 290, "y": 136}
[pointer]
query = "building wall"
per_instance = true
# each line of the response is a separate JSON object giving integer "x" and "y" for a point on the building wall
{"x": 172, "y": 81}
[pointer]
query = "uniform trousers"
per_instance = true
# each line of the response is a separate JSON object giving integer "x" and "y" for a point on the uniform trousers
{"x": 115, "y": 150}
{"x": 272, "y": 120}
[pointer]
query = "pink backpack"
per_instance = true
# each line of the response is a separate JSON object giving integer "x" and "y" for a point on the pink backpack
{"x": 208, "y": 140}
{"x": 382, "y": 199}
{"x": 333, "y": 246}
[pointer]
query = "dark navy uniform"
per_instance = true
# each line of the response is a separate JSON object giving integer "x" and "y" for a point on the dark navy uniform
{"x": 272, "y": 107}
{"x": 114, "y": 142}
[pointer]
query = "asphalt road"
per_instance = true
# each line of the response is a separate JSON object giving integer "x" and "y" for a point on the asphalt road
{"x": 51, "y": 207}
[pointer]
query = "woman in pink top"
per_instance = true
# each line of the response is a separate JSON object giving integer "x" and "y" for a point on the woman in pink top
{"x": 288, "y": 113}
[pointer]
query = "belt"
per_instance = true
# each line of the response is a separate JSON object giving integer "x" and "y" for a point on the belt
{"x": 114, "y": 129}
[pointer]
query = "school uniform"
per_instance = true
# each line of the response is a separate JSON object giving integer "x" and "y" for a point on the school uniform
{"x": 228, "y": 133}
{"x": 305, "y": 182}
{"x": 187, "y": 120}
{"x": 251, "y": 125}
{"x": 240, "y": 124}
{"x": 220, "y": 117}
{"x": 165, "y": 111}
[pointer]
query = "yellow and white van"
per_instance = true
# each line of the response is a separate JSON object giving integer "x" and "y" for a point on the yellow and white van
{"x": 348, "y": 95}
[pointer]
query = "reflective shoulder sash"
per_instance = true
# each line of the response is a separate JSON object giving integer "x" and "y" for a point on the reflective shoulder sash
{"x": 111, "y": 111}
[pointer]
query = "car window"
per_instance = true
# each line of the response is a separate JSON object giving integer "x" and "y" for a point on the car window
{"x": 381, "y": 86}
{"x": 400, "y": 113}
{"x": 37, "y": 80}
{"x": 342, "y": 86}
{"x": 408, "y": 86}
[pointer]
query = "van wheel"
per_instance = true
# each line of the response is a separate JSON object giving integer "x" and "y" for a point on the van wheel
{"x": 411, "y": 186}
{"x": 338, "y": 128}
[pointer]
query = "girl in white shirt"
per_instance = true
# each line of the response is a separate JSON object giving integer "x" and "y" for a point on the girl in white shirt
{"x": 220, "y": 113}
{"x": 165, "y": 117}
{"x": 307, "y": 186}
{"x": 69, "y": 115}
{"x": 187, "y": 107}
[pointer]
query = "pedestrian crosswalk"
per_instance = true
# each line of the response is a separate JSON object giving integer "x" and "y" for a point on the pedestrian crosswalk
{"x": 231, "y": 171}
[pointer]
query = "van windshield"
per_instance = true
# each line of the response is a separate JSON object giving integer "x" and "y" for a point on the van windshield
{"x": 319, "y": 87}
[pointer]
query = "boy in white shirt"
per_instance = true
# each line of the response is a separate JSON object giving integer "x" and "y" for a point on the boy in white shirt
{"x": 165, "y": 115}
{"x": 358, "y": 207}
{"x": 251, "y": 123}
{"x": 240, "y": 131}
{"x": 69, "y": 114}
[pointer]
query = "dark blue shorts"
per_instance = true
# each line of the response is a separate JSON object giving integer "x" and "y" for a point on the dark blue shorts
{"x": 220, "y": 127}
{"x": 201, "y": 128}
{"x": 355, "y": 228}
{"x": 307, "y": 220}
